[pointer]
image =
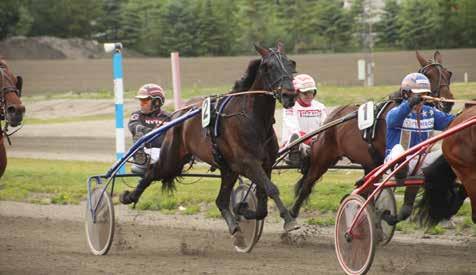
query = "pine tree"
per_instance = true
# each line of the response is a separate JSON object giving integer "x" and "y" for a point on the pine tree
{"x": 415, "y": 24}
{"x": 178, "y": 28}
{"x": 465, "y": 23}
{"x": 387, "y": 28}
{"x": 9, "y": 16}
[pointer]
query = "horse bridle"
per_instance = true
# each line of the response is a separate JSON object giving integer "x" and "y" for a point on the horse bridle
{"x": 284, "y": 75}
{"x": 425, "y": 69}
{"x": 3, "y": 103}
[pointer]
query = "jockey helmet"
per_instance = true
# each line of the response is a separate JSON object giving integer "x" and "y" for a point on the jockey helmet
{"x": 153, "y": 91}
{"x": 416, "y": 83}
{"x": 304, "y": 83}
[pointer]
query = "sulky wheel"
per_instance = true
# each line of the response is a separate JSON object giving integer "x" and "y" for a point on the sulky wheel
{"x": 100, "y": 227}
{"x": 385, "y": 203}
{"x": 249, "y": 229}
{"x": 355, "y": 252}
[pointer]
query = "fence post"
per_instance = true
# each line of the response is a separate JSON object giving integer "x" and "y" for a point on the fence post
{"x": 174, "y": 59}
{"x": 118, "y": 99}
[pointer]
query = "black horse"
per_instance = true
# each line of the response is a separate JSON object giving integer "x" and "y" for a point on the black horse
{"x": 245, "y": 144}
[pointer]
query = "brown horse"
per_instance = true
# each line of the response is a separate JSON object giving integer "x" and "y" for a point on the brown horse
{"x": 345, "y": 139}
{"x": 11, "y": 108}
{"x": 246, "y": 144}
{"x": 442, "y": 197}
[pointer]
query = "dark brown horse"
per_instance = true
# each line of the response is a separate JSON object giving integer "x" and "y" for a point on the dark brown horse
{"x": 443, "y": 197}
{"x": 11, "y": 108}
{"x": 345, "y": 139}
{"x": 246, "y": 143}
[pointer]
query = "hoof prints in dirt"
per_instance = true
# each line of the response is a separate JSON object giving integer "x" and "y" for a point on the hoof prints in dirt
{"x": 202, "y": 248}
{"x": 120, "y": 242}
{"x": 299, "y": 237}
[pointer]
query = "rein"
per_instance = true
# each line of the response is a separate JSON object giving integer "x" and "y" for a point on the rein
{"x": 3, "y": 105}
{"x": 442, "y": 99}
{"x": 224, "y": 95}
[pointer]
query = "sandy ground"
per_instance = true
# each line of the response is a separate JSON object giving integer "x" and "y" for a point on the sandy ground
{"x": 51, "y": 240}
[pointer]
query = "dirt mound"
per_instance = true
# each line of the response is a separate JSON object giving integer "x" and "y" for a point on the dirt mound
{"x": 47, "y": 47}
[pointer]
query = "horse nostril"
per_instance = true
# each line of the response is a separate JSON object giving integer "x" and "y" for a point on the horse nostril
{"x": 11, "y": 109}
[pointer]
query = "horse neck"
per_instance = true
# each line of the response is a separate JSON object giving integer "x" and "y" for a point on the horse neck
{"x": 263, "y": 106}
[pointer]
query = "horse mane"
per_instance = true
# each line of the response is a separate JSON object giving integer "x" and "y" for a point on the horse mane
{"x": 442, "y": 197}
{"x": 244, "y": 84}
{"x": 337, "y": 112}
{"x": 396, "y": 96}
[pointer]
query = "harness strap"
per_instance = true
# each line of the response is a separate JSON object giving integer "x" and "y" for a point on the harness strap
{"x": 214, "y": 131}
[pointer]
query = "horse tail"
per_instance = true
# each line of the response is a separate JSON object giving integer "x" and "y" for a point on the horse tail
{"x": 442, "y": 197}
{"x": 170, "y": 162}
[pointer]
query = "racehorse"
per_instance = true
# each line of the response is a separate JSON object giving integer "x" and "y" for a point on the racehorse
{"x": 442, "y": 197}
{"x": 345, "y": 139}
{"x": 11, "y": 108}
{"x": 246, "y": 144}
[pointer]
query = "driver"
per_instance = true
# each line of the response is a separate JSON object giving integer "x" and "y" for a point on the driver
{"x": 306, "y": 115}
{"x": 150, "y": 116}
{"x": 410, "y": 124}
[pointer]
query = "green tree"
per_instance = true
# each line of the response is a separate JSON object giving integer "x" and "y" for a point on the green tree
{"x": 465, "y": 23}
{"x": 109, "y": 24}
{"x": 416, "y": 24}
{"x": 9, "y": 17}
{"x": 387, "y": 28}
{"x": 209, "y": 33}
{"x": 442, "y": 23}
{"x": 332, "y": 25}
{"x": 25, "y": 21}
{"x": 178, "y": 28}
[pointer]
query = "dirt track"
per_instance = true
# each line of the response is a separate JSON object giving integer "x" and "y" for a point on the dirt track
{"x": 51, "y": 240}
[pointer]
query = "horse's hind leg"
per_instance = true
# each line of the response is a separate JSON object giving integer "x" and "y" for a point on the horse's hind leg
{"x": 468, "y": 178}
{"x": 228, "y": 179}
{"x": 408, "y": 201}
{"x": 128, "y": 197}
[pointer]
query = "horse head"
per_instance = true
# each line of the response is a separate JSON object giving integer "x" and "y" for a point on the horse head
{"x": 11, "y": 107}
{"x": 440, "y": 78}
{"x": 275, "y": 74}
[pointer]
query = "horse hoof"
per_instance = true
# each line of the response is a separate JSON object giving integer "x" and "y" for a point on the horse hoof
{"x": 234, "y": 229}
{"x": 294, "y": 215}
{"x": 238, "y": 239}
{"x": 125, "y": 198}
{"x": 291, "y": 226}
{"x": 404, "y": 213}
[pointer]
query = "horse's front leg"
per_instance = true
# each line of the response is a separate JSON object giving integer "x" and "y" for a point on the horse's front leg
{"x": 254, "y": 171}
{"x": 228, "y": 179}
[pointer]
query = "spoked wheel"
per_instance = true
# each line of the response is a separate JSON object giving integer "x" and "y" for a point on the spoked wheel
{"x": 355, "y": 252}
{"x": 250, "y": 230}
{"x": 385, "y": 203}
{"x": 100, "y": 224}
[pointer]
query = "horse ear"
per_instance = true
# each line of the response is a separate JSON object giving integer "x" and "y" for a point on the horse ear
{"x": 294, "y": 65}
{"x": 19, "y": 83}
{"x": 437, "y": 57}
{"x": 262, "y": 51}
{"x": 280, "y": 47}
{"x": 421, "y": 59}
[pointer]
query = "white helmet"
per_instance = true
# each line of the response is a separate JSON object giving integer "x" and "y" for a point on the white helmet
{"x": 416, "y": 83}
{"x": 304, "y": 83}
